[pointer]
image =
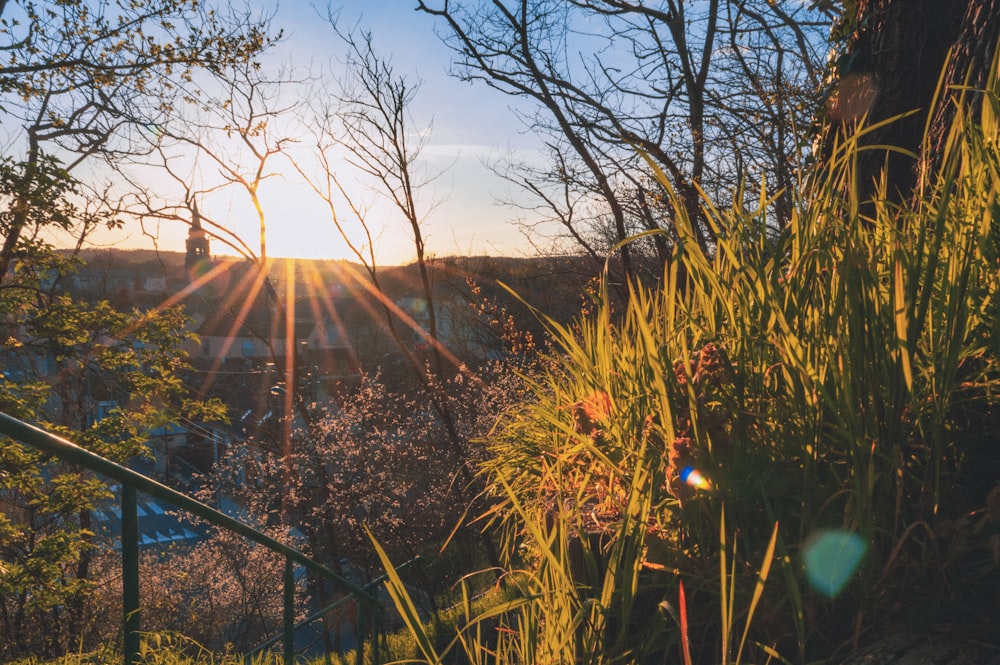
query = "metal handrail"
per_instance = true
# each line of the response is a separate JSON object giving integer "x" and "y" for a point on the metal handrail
{"x": 132, "y": 482}
{"x": 319, "y": 614}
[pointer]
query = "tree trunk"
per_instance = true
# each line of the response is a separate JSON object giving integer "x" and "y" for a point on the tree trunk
{"x": 19, "y": 211}
{"x": 892, "y": 65}
{"x": 972, "y": 56}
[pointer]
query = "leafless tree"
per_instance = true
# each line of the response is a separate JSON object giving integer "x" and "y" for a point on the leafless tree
{"x": 713, "y": 92}
{"x": 369, "y": 124}
{"x": 81, "y": 80}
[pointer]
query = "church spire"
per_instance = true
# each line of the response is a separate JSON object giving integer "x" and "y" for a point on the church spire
{"x": 198, "y": 255}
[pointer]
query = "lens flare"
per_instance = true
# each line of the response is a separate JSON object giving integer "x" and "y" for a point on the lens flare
{"x": 831, "y": 559}
{"x": 693, "y": 477}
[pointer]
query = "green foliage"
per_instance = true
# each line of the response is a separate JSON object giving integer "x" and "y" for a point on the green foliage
{"x": 44, "y": 189}
{"x": 81, "y": 79}
{"x": 61, "y": 358}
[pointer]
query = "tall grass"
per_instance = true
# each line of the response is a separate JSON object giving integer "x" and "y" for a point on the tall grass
{"x": 161, "y": 648}
{"x": 841, "y": 374}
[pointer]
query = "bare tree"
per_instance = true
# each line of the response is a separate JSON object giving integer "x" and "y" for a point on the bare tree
{"x": 370, "y": 124}
{"x": 712, "y": 92}
{"x": 81, "y": 80}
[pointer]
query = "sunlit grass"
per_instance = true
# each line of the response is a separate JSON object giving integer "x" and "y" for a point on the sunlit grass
{"x": 158, "y": 649}
{"x": 833, "y": 378}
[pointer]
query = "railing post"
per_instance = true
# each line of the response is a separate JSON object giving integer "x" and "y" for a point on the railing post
{"x": 361, "y": 633}
{"x": 130, "y": 574}
{"x": 289, "y": 613}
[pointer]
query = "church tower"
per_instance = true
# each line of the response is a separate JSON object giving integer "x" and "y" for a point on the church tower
{"x": 197, "y": 244}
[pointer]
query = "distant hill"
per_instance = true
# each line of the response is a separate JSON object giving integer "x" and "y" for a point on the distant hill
{"x": 552, "y": 284}
{"x": 169, "y": 261}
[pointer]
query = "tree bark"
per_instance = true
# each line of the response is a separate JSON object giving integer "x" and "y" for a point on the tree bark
{"x": 892, "y": 64}
{"x": 972, "y": 57}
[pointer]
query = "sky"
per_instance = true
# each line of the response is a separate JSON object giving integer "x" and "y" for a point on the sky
{"x": 467, "y": 126}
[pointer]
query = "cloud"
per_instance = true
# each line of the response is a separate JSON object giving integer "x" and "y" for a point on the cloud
{"x": 463, "y": 150}
{"x": 489, "y": 154}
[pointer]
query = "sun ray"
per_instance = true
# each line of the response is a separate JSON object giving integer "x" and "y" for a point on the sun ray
{"x": 250, "y": 299}
{"x": 193, "y": 286}
{"x": 396, "y": 310}
{"x": 324, "y": 311}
